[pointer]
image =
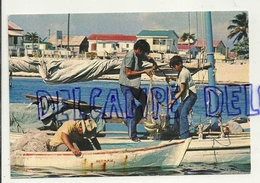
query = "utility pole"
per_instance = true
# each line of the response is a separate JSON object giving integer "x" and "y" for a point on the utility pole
{"x": 68, "y": 32}
{"x": 189, "y": 38}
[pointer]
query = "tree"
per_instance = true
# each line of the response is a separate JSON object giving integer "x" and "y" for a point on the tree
{"x": 188, "y": 36}
{"x": 32, "y": 37}
{"x": 239, "y": 27}
{"x": 241, "y": 49}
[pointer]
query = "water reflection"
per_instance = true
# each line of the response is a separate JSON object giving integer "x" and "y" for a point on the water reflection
{"x": 183, "y": 169}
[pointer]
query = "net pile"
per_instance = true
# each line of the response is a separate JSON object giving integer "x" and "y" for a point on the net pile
{"x": 33, "y": 140}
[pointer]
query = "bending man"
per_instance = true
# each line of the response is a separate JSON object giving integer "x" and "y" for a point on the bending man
{"x": 74, "y": 136}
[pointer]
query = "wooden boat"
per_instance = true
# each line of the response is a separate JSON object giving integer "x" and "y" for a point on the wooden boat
{"x": 234, "y": 148}
{"x": 127, "y": 155}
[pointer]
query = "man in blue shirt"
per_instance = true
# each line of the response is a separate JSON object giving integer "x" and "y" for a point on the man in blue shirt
{"x": 130, "y": 81}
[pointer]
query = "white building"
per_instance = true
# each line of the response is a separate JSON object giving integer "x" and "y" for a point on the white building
{"x": 161, "y": 41}
{"x": 105, "y": 44}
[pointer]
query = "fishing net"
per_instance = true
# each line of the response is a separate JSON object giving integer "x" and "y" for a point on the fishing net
{"x": 24, "y": 116}
{"x": 33, "y": 140}
{"x": 157, "y": 122}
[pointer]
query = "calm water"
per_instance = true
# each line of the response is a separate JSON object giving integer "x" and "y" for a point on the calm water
{"x": 105, "y": 93}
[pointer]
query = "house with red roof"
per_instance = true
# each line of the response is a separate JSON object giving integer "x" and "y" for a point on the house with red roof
{"x": 104, "y": 44}
{"x": 188, "y": 49}
{"x": 196, "y": 46}
{"x": 218, "y": 45}
{"x": 15, "y": 38}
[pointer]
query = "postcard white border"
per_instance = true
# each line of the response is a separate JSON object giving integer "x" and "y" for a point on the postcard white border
{"x": 112, "y": 6}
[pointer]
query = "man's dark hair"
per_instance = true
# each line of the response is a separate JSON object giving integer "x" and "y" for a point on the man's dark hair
{"x": 175, "y": 60}
{"x": 142, "y": 45}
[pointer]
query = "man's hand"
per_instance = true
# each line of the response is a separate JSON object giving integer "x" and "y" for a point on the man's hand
{"x": 170, "y": 104}
{"x": 168, "y": 79}
{"x": 150, "y": 59}
{"x": 149, "y": 72}
{"x": 76, "y": 151}
{"x": 66, "y": 141}
{"x": 154, "y": 66}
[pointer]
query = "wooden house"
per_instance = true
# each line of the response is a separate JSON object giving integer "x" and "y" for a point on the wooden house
{"x": 77, "y": 44}
{"x": 220, "y": 50}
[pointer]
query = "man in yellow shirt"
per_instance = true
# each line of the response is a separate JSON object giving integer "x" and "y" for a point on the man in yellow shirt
{"x": 73, "y": 136}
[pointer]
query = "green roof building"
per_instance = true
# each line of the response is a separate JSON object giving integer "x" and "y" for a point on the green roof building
{"x": 161, "y": 41}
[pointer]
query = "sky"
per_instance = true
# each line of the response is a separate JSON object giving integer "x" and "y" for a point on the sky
{"x": 85, "y": 24}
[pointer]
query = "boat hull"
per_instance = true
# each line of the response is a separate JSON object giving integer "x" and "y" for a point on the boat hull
{"x": 213, "y": 150}
{"x": 221, "y": 150}
{"x": 238, "y": 156}
{"x": 162, "y": 153}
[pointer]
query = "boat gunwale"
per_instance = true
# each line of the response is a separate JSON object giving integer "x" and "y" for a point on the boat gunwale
{"x": 218, "y": 148}
{"x": 98, "y": 152}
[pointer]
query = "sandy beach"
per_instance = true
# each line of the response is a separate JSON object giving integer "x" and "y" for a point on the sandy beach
{"x": 226, "y": 73}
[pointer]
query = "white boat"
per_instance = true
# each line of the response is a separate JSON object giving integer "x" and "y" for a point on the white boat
{"x": 219, "y": 150}
{"x": 127, "y": 155}
{"x": 231, "y": 149}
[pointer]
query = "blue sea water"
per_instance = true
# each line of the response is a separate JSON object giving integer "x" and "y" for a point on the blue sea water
{"x": 232, "y": 101}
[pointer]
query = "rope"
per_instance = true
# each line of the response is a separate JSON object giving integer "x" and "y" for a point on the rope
{"x": 17, "y": 124}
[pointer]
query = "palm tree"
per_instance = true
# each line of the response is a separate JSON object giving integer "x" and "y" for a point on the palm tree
{"x": 241, "y": 49}
{"x": 239, "y": 27}
{"x": 187, "y": 36}
{"x": 33, "y": 37}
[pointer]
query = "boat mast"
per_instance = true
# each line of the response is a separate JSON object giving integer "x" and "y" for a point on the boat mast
{"x": 211, "y": 70}
{"x": 68, "y": 46}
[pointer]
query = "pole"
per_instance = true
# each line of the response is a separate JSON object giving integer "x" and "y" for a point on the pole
{"x": 68, "y": 32}
{"x": 189, "y": 38}
{"x": 211, "y": 70}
